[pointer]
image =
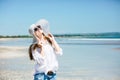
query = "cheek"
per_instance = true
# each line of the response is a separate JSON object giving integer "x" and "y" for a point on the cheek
{"x": 41, "y": 31}
{"x": 38, "y": 33}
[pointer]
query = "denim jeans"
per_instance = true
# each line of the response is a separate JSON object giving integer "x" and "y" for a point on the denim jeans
{"x": 43, "y": 76}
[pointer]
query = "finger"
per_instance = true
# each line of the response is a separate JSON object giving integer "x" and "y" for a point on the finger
{"x": 49, "y": 35}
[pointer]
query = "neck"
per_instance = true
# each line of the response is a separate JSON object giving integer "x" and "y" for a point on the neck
{"x": 42, "y": 39}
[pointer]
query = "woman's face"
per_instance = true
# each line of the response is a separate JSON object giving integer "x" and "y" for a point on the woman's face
{"x": 38, "y": 32}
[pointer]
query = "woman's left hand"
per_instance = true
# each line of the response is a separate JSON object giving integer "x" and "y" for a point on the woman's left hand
{"x": 51, "y": 37}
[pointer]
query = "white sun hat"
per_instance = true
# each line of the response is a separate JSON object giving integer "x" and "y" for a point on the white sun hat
{"x": 44, "y": 25}
{"x": 31, "y": 31}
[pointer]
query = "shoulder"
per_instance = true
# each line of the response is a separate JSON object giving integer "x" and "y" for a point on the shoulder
{"x": 34, "y": 46}
{"x": 31, "y": 46}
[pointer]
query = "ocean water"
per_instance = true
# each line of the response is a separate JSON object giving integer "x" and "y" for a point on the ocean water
{"x": 91, "y": 62}
{"x": 83, "y": 59}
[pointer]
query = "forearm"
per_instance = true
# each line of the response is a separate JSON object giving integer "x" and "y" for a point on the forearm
{"x": 54, "y": 43}
{"x": 56, "y": 46}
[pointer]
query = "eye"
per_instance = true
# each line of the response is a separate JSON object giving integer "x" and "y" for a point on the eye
{"x": 39, "y": 27}
{"x": 35, "y": 29}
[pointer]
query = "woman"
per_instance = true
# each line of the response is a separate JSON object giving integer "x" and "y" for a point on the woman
{"x": 43, "y": 51}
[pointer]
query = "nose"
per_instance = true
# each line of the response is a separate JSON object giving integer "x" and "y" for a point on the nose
{"x": 41, "y": 31}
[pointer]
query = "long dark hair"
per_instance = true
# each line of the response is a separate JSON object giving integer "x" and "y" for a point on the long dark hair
{"x": 48, "y": 39}
{"x": 34, "y": 46}
{"x": 30, "y": 52}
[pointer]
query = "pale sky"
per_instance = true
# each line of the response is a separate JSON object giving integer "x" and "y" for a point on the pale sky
{"x": 64, "y": 16}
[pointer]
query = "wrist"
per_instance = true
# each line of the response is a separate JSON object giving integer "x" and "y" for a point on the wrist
{"x": 53, "y": 41}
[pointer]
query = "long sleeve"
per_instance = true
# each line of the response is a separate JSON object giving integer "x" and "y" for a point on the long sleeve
{"x": 37, "y": 56}
{"x": 47, "y": 62}
{"x": 60, "y": 52}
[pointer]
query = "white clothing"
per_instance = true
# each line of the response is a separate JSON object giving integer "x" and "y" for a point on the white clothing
{"x": 48, "y": 62}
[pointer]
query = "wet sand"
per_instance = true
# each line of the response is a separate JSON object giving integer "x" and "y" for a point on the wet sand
{"x": 116, "y": 48}
{"x": 15, "y": 64}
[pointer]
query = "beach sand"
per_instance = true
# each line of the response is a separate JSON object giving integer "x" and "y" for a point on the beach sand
{"x": 15, "y": 64}
{"x": 7, "y": 52}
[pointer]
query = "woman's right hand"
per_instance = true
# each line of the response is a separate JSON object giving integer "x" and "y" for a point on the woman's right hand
{"x": 51, "y": 37}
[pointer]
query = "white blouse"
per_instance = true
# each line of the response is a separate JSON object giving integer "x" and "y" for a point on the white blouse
{"x": 47, "y": 62}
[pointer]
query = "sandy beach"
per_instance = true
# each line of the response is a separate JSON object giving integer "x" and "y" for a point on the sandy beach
{"x": 79, "y": 62}
{"x": 7, "y": 52}
{"x": 15, "y": 64}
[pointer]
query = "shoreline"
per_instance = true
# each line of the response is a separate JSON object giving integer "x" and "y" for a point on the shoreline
{"x": 71, "y": 38}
